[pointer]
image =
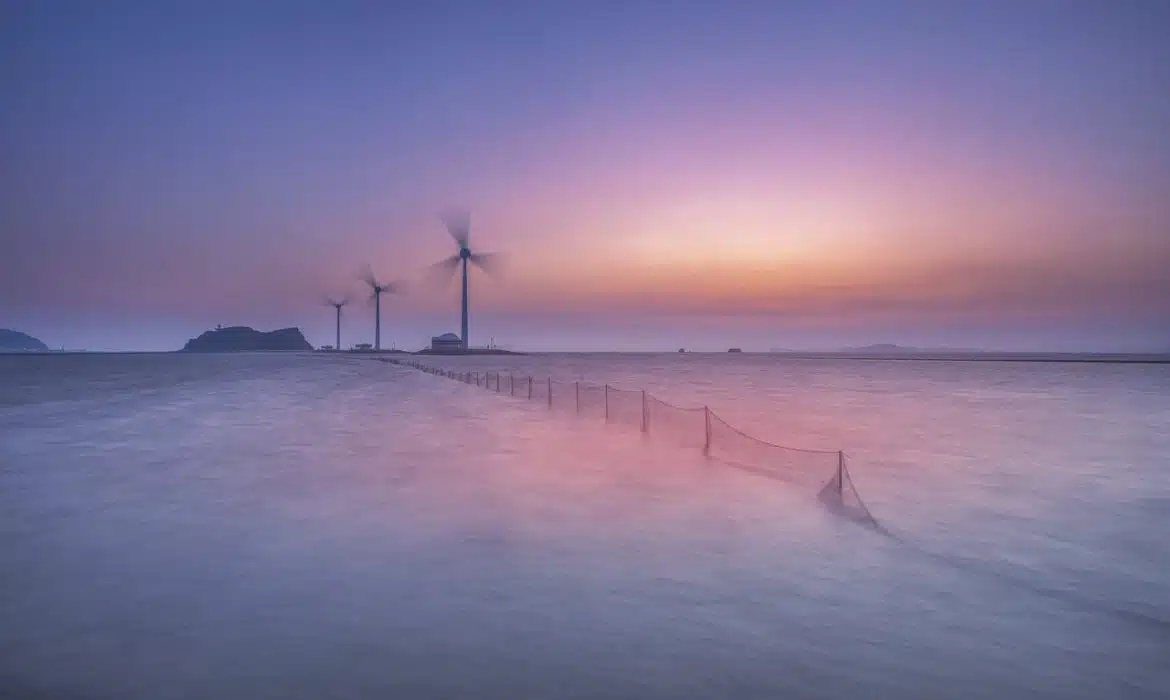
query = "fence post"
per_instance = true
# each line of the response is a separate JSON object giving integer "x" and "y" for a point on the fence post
{"x": 577, "y": 395}
{"x": 645, "y": 427}
{"x": 550, "y": 392}
{"x": 530, "y": 388}
{"x": 707, "y": 430}
{"x": 511, "y": 385}
{"x": 841, "y": 474}
{"x": 606, "y": 403}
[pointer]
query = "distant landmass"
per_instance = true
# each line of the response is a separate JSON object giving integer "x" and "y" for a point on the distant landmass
{"x": 245, "y": 339}
{"x": 890, "y": 348}
{"x": 879, "y": 349}
{"x": 15, "y": 341}
{"x": 890, "y": 351}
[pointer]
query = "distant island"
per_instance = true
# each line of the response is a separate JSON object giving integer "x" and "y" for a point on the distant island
{"x": 245, "y": 339}
{"x": 890, "y": 348}
{"x": 876, "y": 349}
{"x": 15, "y": 341}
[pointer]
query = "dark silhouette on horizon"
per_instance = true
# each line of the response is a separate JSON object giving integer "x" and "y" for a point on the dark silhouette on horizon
{"x": 245, "y": 339}
{"x": 15, "y": 341}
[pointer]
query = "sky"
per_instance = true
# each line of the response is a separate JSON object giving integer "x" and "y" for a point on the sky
{"x": 655, "y": 174}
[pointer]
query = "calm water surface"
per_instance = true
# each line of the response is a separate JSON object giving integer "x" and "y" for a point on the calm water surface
{"x": 304, "y": 526}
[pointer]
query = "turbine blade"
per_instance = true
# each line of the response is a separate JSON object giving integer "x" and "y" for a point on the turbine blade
{"x": 490, "y": 263}
{"x": 395, "y": 287}
{"x": 441, "y": 272}
{"x": 367, "y": 276}
{"x": 458, "y": 223}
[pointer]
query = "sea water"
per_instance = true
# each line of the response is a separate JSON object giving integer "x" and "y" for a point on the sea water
{"x": 311, "y": 526}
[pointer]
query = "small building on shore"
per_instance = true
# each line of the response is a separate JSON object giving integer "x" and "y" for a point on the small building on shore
{"x": 448, "y": 342}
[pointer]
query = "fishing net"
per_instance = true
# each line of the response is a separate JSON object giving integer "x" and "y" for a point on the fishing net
{"x": 697, "y": 427}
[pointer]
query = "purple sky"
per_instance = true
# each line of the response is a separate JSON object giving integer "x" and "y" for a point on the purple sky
{"x": 659, "y": 174}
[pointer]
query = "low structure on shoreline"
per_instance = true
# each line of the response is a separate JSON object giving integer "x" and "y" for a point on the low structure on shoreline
{"x": 447, "y": 343}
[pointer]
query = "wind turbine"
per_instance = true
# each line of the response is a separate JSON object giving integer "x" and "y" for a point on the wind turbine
{"x": 458, "y": 223}
{"x": 377, "y": 289}
{"x": 329, "y": 301}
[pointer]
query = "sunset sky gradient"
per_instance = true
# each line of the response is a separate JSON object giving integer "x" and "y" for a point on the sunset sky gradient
{"x": 659, "y": 174}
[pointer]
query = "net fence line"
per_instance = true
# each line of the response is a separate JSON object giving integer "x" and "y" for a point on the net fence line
{"x": 695, "y": 427}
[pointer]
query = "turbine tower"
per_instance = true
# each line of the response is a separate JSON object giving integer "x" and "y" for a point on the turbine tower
{"x": 458, "y": 223}
{"x": 336, "y": 304}
{"x": 377, "y": 289}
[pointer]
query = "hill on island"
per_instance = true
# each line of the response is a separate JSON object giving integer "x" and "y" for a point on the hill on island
{"x": 15, "y": 341}
{"x": 245, "y": 339}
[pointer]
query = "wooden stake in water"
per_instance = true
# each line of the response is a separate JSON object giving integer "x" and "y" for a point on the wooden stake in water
{"x": 644, "y": 425}
{"x": 550, "y": 392}
{"x": 707, "y": 430}
{"x": 606, "y": 403}
{"x": 840, "y": 474}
